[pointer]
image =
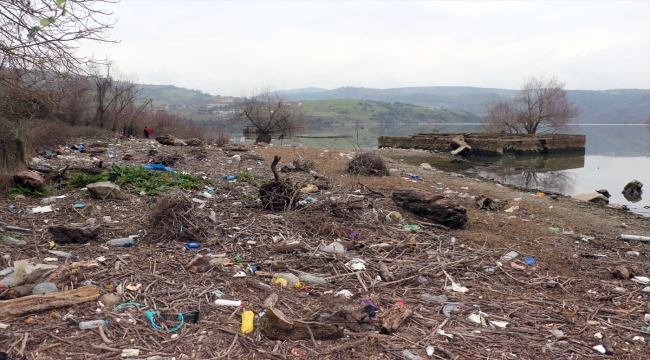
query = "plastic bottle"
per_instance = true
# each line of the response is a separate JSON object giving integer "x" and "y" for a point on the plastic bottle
{"x": 229, "y": 302}
{"x": 437, "y": 298}
{"x": 61, "y": 253}
{"x": 205, "y": 194}
{"x": 291, "y": 278}
{"x": 48, "y": 200}
{"x": 333, "y": 248}
{"x": 92, "y": 324}
{"x": 409, "y": 355}
{"x": 247, "y": 322}
{"x": 12, "y": 241}
{"x": 309, "y": 278}
{"x": 122, "y": 242}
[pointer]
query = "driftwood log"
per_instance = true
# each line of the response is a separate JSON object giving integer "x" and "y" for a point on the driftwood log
{"x": 394, "y": 318}
{"x": 431, "y": 207}
{"x": 36, "y": 303}
{"x": 275, "y": 325}
{"x": 170, "y": 140}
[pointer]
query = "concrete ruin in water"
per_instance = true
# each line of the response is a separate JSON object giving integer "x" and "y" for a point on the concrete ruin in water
{"x": 484, "y": 144}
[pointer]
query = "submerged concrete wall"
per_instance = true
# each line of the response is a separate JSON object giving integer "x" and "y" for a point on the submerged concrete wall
{"x": 484, "y": 144}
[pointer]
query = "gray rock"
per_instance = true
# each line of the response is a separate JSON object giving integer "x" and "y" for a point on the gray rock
{"x": 633, "y": 188}
{"x": 29, "y": 178}
{"x": 592, "y": 197}
{"x": 426, "y": 166}
{"x": 105, "y": 190}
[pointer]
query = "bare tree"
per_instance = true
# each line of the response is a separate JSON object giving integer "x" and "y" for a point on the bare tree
{"x": 540, "y": 106}
{"x": 117, "y": 98}
{"x": 270, "y": 114}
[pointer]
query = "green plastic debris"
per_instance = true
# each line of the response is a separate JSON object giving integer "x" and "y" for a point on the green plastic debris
{"x": 554, "y": 229}
{"x": 239, "y": 260}
{"x": 411, "y": 227}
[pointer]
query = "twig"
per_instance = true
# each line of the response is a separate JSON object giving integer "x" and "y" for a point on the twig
{"x": 311, "y": 335}
{"x": 103, "y": 335}
{"x": 348, "y": 345}
{"x": 22, "y": 347}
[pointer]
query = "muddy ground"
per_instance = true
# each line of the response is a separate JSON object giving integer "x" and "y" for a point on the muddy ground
{"x": 555, "y": 308}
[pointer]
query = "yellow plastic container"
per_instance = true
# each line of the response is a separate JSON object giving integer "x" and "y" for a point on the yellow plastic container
{"x": 247, "y": 321}
{"x": 281, "y": 281}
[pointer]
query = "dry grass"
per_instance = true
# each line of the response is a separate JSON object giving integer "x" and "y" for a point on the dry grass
{"x": 369, "y": 164}
{"x": 172, "y": 218}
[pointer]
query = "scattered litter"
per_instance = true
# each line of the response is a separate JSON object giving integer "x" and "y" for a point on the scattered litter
{"x": 235, "y": 303}
{"x": 457, "y": 288}
{"x": 514, "y": 265}
{"x": 437, "y": 298}
{"x": 641, "y": 280}
{"x": 448, "y": 308}
{"x": 635, "y": 237}
{"x": 356, "y": 264}
{"x": 600, "y": 349}
{"x": 411, "y": 227}
{"x": 512, "y": 209}
{"x": 530, "y": 261}
{"x": 443, "y": 333}
{"x": 499, "y": 324}
{"x": 509, "y": 256}
{"x": 41, "y": 209}
{"x": 158, "y": 167}
{"x": 554, "y": 229}
{"x": 345, "y": 293}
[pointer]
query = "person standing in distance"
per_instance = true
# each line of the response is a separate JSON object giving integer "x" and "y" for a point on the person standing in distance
{"x": 147, "y": 131}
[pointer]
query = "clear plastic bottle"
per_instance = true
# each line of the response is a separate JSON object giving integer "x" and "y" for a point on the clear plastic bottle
{"x": 92, "y": 324}
{"x": 122, "y": 242}
{"x": 409, "y": 355}
{"x": 311, "y": 279}
{"x": 12, "y": 241}
{"x": 61, "y": 253}
{"x": 437, "y": 298}
{"x": 333, "y": 248}
{"x": 291, "y": 278}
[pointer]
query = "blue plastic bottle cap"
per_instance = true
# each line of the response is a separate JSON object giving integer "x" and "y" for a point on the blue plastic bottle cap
{"x": 530, "y": 261}
{"x": 192, "y": 245}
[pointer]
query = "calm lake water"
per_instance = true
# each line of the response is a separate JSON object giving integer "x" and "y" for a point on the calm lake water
{"x": 614, "y": 155}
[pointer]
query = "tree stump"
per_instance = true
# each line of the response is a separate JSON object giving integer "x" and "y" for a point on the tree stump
{"x": 633, "y": 188}
{"x": 29, "y": 178}
{"x": 431, "y": 207}
{"x": 74, "y": 233}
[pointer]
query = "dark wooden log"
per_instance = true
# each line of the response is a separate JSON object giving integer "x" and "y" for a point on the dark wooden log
{"x": 431, "y": 207}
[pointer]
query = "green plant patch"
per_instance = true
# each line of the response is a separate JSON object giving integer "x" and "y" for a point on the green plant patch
{"x": 28, "y": 191}
{"x": 135, "y": 179}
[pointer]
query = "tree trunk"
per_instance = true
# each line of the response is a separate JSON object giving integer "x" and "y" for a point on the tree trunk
{"x": 264, "y": 138}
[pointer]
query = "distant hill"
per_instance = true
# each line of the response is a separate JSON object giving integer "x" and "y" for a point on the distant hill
{"x": 619, "y": 106}
{"x": 351, "y": 111}
{"x": 597, "y": 107}
{"x": 174, "y": 95}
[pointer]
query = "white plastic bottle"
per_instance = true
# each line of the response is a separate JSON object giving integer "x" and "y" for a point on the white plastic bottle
{"x": 61, "y": 253}
{"x": 92, "y": 324}
{"x": 229, "y": 303}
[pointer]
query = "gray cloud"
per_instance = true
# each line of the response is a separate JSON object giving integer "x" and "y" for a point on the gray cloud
{"x": 228, "y": 47}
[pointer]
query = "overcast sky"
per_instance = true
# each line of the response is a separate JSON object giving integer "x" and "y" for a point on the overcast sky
{"x": 231, "y": 47}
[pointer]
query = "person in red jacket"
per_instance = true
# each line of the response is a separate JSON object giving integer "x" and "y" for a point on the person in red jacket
{"x": 147, "y": 132}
